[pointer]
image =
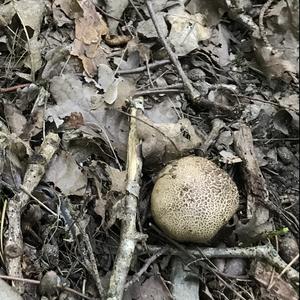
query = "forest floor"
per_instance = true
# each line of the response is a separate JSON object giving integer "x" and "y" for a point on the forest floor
{"x": 84, "y": 84}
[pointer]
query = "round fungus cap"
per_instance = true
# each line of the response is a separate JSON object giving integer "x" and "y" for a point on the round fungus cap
{"x": 192, "y": 199}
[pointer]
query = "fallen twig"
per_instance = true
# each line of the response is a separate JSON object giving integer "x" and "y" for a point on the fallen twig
{"x": 14, "y": 88}
{"x": 129, "y": 234}
{"x": 35, "y": 171}
{"x": 265, "y": 252}
{"x": 261, "y": 23}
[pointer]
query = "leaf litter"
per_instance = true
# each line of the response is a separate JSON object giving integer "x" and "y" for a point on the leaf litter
{"x": 83, "y": 62}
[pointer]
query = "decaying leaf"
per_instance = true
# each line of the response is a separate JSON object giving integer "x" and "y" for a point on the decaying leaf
{"x": 147, "y": 29}
{"x": 28, "y": 21}
{"x": 115, "y": 9}
{"x": 16, "y": 121}
{"x": 72, "y": 96}
{"x": 166, "y": 141}
{"x": 186, "y": 31}
{"x": 280, "y": 58}
{"x": 152, "y": 288}
{"x": 265, "y": 274}
{"x": 64, "y": 172}
{"x": 64, "y": 11}
{"x": 89, "y": 29}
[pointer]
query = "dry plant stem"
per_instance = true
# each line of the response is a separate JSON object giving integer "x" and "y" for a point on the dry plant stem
{"x": 14, "y": 88}
{"x": 144, "y": 68}
{"x": 265, "y": 252}
{"x": 35, "y": 171}
{"x": 191, "y": 92}
{"x": 92, "y": 261}
{"x": 129, "y": 234}
{"x": 158, "y": 91}
{"x": 261, "y": 23}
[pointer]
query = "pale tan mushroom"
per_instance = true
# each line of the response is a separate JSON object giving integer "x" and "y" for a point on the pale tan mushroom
{"x": 192, "y": 199}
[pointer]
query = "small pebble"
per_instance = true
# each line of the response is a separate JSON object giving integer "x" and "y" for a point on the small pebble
{"x": 196, "y": 75}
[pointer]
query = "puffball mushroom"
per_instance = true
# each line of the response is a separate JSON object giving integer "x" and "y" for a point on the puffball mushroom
{"x": 192, "y": 199}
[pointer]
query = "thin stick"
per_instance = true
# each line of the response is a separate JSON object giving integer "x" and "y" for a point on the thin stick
{"x": 34, "y": 173}
{"x": 14, "y": 88}
{"x": 144, "y": 68}
{"x": 266, "y": 253}
{"x": 129, "y": 234}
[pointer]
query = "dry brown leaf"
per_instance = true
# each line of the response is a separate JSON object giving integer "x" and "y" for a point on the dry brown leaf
{"x": 89, "y": 29}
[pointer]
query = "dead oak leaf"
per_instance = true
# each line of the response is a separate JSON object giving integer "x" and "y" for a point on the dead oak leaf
{"x": 89, "y": 29}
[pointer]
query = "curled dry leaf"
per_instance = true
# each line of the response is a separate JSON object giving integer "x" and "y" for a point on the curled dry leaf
{"x": 117, "y": 40}
{"x": 89, "y": 29}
